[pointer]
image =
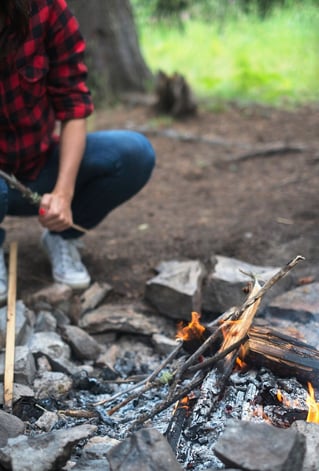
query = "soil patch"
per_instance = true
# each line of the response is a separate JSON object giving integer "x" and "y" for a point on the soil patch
{"x": 263, "y": 210}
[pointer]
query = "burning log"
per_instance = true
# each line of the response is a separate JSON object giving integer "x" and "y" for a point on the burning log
{"x": 238, "y": 329}
{"x": 282, "y": 354}
{"x": 175, "y": 427}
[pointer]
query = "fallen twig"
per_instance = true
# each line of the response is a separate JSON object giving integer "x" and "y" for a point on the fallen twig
{"x": 253, "y": 150}
{"x": 271, "y": 149}
{"x": 187, "y": 137}
{"x": 78, "y": 413}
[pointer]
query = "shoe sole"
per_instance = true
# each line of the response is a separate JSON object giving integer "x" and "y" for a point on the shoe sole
{"x": 78, "y": 285}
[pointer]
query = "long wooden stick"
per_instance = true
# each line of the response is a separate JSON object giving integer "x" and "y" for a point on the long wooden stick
{"x": 33, "y": 197}
{"x": 10, "y": 333}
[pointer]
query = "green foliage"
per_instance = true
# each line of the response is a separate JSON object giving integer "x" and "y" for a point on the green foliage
{"x": 228, "y": 54}
{"x": 166, "y": 377}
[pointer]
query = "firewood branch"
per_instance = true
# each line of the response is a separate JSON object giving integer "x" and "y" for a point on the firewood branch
{"x": 33, "y": 197}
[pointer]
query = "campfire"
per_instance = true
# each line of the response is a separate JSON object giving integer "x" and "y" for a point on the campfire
{"x": 195, "y": 331}
{"x": 232, "y": 370}
{"x": 226, "y": 368}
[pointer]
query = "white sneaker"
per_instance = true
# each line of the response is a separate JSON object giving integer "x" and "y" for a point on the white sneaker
{"x": 3, "y": 278}
{"x": 67, "y": 266}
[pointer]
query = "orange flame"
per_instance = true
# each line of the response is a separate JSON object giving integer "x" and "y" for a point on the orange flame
{"x": 194, "y": 330}
{"x": 313, "y": 406}
{"x": 240, "y": 360}
{"x": 313, "y": 412}
{"x": 240, "y": 363}
{"x": 295, "y": 404}
{"x": 183, "y": 403}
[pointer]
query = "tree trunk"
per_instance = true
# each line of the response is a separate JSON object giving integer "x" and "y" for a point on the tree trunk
{"x": 113, "y": 53}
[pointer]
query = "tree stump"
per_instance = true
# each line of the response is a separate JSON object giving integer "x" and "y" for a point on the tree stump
{"x": 174, "y": 95}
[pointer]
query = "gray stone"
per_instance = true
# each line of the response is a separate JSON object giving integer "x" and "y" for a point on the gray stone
{"x": 105, "y": 339}
{"x": 300, "y": 304}
{"x": 45, "y": 452}
{"x": 52, "y": 295}
{"x": 21, "y": 324}
{"x": 47, "y": 421}
{"x": 10, "y": 426}
{"x": 19, "y": 391}
{"x": 98, "y": 447}
{"x": 93, "y": 296}
{"x": 83, "y": 346}
{"x": 24, "y": 366}
{"x": 92, "y": 465}
{"x": 52, "y": 384}
{"x": 45, "y": 322}
{"x": 163, "y": 345}
{"x": 311, "y": 433}
{"x": 62, "y": 315}
{"x": 177, "y": 290}
{"x": 145, "y": 450}
{"x": 224, "y": 285}
{"x": 51, "y": 345}
{"x": 120, "y": 318}
{"x": 260, "y": 447}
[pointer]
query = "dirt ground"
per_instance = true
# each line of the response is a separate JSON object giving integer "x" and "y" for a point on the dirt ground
{"x": 263, "y": 209}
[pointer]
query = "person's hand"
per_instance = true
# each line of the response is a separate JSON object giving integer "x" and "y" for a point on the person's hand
{"x": 55, "y": 212}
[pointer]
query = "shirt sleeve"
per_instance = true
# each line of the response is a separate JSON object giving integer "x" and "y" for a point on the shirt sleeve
{"x": 67, "y": 75}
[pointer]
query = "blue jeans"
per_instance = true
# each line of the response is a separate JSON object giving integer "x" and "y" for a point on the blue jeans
{"x": 115, "y": 166}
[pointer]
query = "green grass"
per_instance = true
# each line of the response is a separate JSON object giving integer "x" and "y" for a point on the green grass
{"x": 241, "y": 57}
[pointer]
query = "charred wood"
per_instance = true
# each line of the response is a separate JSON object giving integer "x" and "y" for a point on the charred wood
{"x": 176, "y": 424}
{"x": 282, "y": 354}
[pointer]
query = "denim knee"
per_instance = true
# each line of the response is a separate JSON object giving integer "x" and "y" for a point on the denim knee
{"x": 125, "y": 155}
{"x": 147, "y": 157}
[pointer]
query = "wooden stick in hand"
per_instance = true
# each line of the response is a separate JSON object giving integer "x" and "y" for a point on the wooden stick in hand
{"x": 33, "y": 197}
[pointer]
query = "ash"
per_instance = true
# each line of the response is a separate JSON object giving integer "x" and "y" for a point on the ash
{"x": 250, "y": 395}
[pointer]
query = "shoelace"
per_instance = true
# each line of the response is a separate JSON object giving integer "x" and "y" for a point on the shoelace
{"x": 68, "y": 254}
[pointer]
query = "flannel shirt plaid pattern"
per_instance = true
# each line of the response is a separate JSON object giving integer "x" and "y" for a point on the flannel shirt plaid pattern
{"x": 41, "y": 82}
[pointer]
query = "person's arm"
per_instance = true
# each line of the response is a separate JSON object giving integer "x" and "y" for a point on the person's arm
{"x": 72, "y": 103}
{"x": 56, "y": 213}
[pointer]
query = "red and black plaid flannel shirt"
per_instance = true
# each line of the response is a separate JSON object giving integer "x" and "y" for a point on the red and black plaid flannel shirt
{"x": 41, "y": 82}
